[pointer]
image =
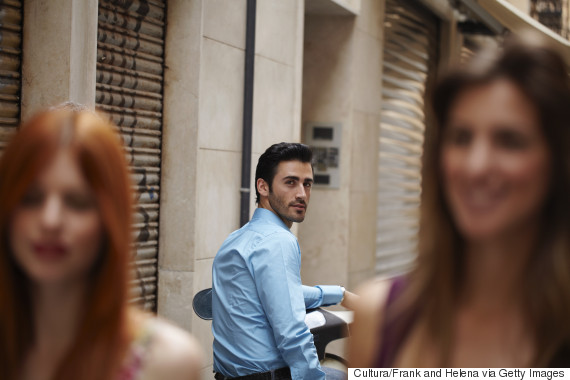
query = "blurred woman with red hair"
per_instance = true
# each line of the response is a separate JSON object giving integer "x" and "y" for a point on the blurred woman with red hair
{"x": 65, "y": 220}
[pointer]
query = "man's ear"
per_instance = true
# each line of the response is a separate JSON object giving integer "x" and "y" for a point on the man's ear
{"x": 262, "y": 187}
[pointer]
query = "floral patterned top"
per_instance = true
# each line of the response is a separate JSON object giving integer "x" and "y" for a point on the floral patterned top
{"x": 140, "y": 347}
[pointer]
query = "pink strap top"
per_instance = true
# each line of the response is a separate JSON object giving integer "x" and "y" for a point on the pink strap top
{"x": 138, "y": 352}
{"x": 395, "y": 329}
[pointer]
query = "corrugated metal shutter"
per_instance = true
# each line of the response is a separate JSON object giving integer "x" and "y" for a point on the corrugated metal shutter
{"x": 410, "y": 53}
{"x": 10, "y": 68}
{"x": 550, "y": 13}
{"x": 466, "y": 54}
{"x": 130, "y": 65}
{"x": 473, "y": 43}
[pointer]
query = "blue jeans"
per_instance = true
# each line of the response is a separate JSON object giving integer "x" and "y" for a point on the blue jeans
{"x": 330, "y": 374}
{"x": 334, "y": 374}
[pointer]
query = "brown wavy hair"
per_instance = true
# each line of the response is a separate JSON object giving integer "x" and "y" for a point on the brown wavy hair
{"x": 436, "y": 282}
{"x": 103, "y": 334}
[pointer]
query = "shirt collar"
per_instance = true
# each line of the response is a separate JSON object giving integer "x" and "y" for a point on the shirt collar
{"x": 268, "y": 216}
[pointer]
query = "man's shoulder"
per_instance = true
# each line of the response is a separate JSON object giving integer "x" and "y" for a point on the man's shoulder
{"x": 260, "y": 231}
{"x": 256, "y": 235}
{"x": 263, "y": 236}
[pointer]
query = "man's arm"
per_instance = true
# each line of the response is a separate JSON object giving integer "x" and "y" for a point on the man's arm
{"x": 321, "y": 295}
{"x": 327, "y": 295}
{"x": 276, "y": 265}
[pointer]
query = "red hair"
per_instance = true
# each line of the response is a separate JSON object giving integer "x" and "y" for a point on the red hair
{"x": 103, "y": 334}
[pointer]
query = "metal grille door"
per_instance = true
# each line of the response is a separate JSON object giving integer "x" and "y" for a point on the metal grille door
{"x": 130, "y": 65}
{"x": 410, "y": 43}
{"x": 10, "y": 68}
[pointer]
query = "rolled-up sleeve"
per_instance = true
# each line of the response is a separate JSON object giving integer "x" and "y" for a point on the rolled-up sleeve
{"x": 332, "y": 294}
{"x": 276, "y": 266}
{"x": 322, "y": 295}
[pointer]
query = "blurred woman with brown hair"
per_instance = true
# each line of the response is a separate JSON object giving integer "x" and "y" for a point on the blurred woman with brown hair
{"x": 65, "y": 223}
{"x": 491, "y": 286}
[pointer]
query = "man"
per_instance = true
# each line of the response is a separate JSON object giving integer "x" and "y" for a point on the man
{"x": 258, "y": 301}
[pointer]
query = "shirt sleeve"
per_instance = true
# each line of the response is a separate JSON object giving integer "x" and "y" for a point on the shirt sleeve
{"x": 276, "y": 265}
{"x": 322, "y": 295}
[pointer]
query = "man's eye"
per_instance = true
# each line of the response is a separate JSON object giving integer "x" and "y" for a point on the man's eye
{"x": 308, "y": 184}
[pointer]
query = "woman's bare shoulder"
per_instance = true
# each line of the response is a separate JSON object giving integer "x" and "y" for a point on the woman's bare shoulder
{"x": 174, "y": 353}
{"x": 368, "y": 319}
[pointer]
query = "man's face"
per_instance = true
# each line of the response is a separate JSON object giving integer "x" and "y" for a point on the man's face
{"x": 290, "y": 191}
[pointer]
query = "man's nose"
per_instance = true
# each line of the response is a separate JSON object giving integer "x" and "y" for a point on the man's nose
{"x": 52, "y": 213}
{"x": 301, "y": 192}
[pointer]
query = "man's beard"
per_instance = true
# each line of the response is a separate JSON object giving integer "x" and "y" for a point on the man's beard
{"x": 281, "y": 208}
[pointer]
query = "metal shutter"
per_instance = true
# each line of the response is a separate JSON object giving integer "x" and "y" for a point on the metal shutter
{"x": 130, "y": 65}
{"x": 550, "y": 13}
{"x": 466, "y": 54}
{"x": 10, "y": 65}
{"x": 410, "y": 51}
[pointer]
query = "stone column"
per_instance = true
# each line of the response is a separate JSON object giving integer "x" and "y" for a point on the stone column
{"x": 59, "y": 53}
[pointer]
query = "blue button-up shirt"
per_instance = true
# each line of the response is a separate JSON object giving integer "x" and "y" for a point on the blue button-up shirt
{"x": 258, "y": 302}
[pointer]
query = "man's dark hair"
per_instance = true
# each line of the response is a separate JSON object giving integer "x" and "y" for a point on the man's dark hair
{"x": 276, "y": 153}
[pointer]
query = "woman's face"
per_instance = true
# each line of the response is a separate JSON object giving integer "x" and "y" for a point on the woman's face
{"x": 495, "y": 161}
{"x": 56, "y": 231}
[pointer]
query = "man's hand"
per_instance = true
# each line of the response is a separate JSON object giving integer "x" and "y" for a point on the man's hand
{"x": 350, "y": 299}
